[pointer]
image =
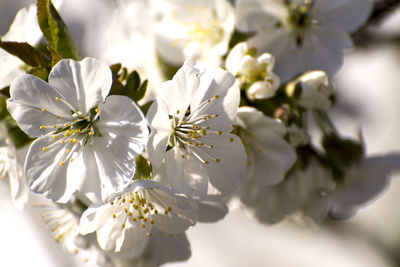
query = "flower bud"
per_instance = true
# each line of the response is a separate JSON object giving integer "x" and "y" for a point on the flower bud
{"x": 312, "y": 90}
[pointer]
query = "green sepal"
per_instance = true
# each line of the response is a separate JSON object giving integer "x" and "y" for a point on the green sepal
{"x": 16, "y": 135}
{"x": 26, "y": 53}
{"x": 3, "y": 107}
{"x": 42, "y": 73}
{"x": 55, "y": 31}
{"x": 143, "y": 169}
{"x": 238, "y": 37}
{"x": 341, "y": 153}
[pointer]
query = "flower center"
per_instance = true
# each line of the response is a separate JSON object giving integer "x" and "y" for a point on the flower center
{"x": 300, "y": 18}
{"x": 194, "y": 134}
{"x": 74, "y": 134}
{"x": 202, "y": 35}
{"x": 138, "y": 207}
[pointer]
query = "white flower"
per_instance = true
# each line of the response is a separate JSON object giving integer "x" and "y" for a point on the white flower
{"x": 312, "y": 90}
{"x": 64, "y": 226}
{"x": 11, "y": 166}
{"x": 194, "y": 28}
{"x": 161, "y": 248}
{"x": 302, "y": 34}
{"x": 124, "y": 224}
{"x": 306, "y": 190}
{"x": 84, "y": 144}
{"x": 269, "y": 156}
{"x": 192, "y": 119}
{"x": 130, "y": 40}
{"x": 363, "y": 183}
{"x": 254, "y": 73}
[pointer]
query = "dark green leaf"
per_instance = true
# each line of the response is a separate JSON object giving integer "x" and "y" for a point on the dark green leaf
{"x": 26, "y": 53}
{"x": 3, "y": 107}
{"x": 55, "y": 31}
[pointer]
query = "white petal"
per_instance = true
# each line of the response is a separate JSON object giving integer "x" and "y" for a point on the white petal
{"x": 84, "y": 84}
{"x": 251, "y": 15}
{"x": 177, "y": 92}
{"x": 163, "y": 248}
{"x": 44, "y": 172}
{"x": 229, "y": 172}
{"x": 349, "y": 15}
{"x": 157, "y": 116}
{"x": 186, "y": 175}
{"x": 235, "y": 57}
{"x": 84, "y": 168}
{"x": 29, "y": 96}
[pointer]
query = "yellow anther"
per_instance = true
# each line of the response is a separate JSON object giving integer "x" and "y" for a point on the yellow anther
{"x": 169, "y": 208}
{"x": 183, "y": 156}
{"x": 114, "y": 216}
{"x": 149, "y": 234}
{"x": 43, "y": 109}
{"x": 54, "y": 126}
{"x": 123, "y": 226}
{"x": 91, "y": 133}
{"x": 166, "y": 212}
{"x": 62, "y": 141}
{"x": 62, "y": 163}
{"x": 86, "y": 118}
{"x": 126, "y": 210}
{"x": 129, "y": 214}
{"x": 145, "y": 219}
{"x": 171, "y": 235}
{"x": 55, "y": 137}
{"x": 57, "y": 98}
{"x": 216, "y": 96}
{"x": 112, "y": 202}
{"x": 219, "y": 133}
{"x": 146, "y": 210}
{"x": 71, "y": 160}
{"x": 42, "y": 127}
{"x": 44, "y": 148}
{"x": 217, "y": 160}
{"x": 156, "y": 212}
{"x": 206, "y": 162}
{"x": 143, "y": 225}
{"x": 134, "y": 219}
{"x": 152, "y": 221}
{"x": 231, "y": 139}
{"x": 68, "y": 150}
{"x": 58, "y": 117}
{"x": 211, "y": 146}
{"x": 97, "y": 110}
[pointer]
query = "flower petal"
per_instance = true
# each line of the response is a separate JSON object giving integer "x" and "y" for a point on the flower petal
{"x": 84, "y": 84}
{"x": 33, "y": 104}
{"x": 186, "y": 175}
{"x": 46, "y": 171}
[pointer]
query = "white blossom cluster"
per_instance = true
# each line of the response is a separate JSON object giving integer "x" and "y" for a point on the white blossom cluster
{"x": 232, "y": 89}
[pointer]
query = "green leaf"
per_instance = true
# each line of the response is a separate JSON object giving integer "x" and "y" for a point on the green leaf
{"x": 26, "y": 53}
{"x": 55, "y": 31}
{"x": 143, "y": 169}
{"x": 41, "y": 73}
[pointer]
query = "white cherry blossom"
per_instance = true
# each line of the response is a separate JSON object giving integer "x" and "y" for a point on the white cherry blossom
{"x": 84, "y": 144}
{"x": 191, "y": 124}
{"x": 193, "y": 28}
{"x": 125, "y": 223}
{"x": 11, "y": 166}
{"x": 253, "y": 72}
{"x": 302, "y": 34}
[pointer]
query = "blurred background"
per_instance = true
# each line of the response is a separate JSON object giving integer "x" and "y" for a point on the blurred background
{"x": 368, "y": 91}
